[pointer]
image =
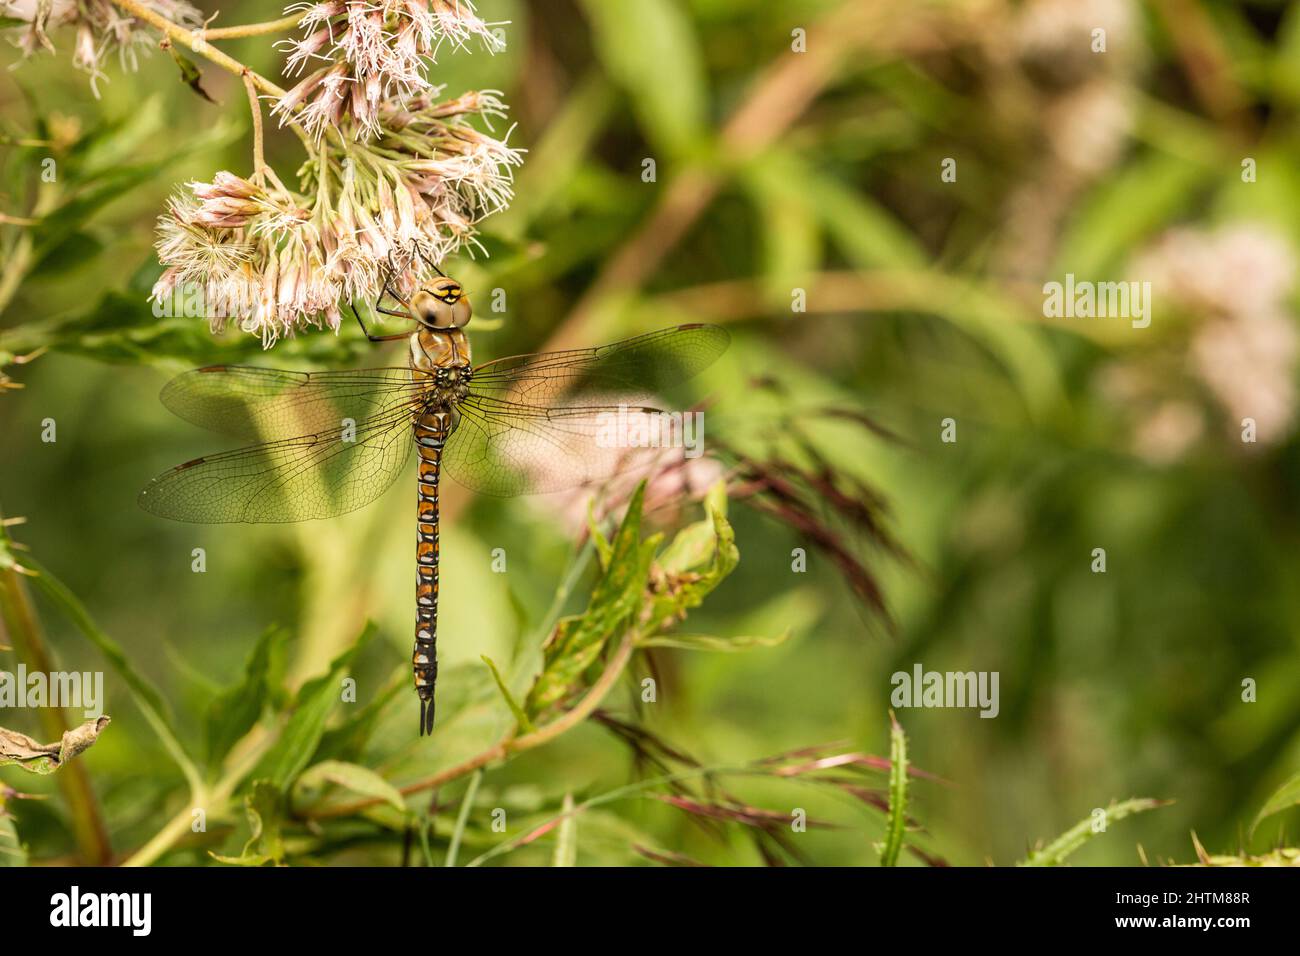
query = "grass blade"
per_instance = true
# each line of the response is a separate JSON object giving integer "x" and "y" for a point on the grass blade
{"x": 462, "y": 818}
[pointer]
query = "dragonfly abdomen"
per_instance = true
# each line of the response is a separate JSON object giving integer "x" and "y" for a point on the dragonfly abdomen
{"x": 431, "y": 429}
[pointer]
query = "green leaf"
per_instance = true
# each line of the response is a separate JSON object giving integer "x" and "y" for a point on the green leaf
{"x": 76, "y": 250}
{"x": 1055, "y": 853}
{"x": 868, "y": 233}
{"x": 146, "y": 696}
{"x": 566, "y": 839}
{"x": 293, "y": 751}
{"x": 12, "y": 850}
{"x": 1284, "y": 798}
{"x": 792, "y": 236}
{"x": 650, "y": 49}
{"x": 604, "y": 550}
{"x": 353, "y": 777}
{"x": 525, "y": 725}
{"x": 616, "y": 599}
{"x": 695, "y": 545}
{"x": 897, "y": 824}
{"x": 1286, "y": 60}
{"x": 190, "y": 74}
{"x": 235, "y": 710}
{"x": 1133, "y": 202}
{"x": 687, "y": 587}
{"x": 348, "y": 740}
{"x": 264, "y": 807}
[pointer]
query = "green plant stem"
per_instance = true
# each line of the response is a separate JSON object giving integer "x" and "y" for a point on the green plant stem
{"x": 216, "y": 800}
{"x": 20, "y": 625}
{"x": 510, "y": 745}
{"x": 259, "y": 154}
{"x": 254, "y": 29}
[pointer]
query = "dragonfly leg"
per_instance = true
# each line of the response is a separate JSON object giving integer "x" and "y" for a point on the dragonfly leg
{"x": 428, "y": 262}
{"x": 378, "y": 338}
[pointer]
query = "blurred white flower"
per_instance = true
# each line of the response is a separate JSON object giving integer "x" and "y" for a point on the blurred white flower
{"x": 1056, "y": 36}
{"x": 1237, "y": 270}
{"x": 1087, "y": 127}
{"x": 1236, "y": 280}
{"x": 1249, "y": 364}
{"x": 1166, "y": 434}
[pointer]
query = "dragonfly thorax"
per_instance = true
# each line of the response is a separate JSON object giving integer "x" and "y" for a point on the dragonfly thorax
{"x": 432, "y": 350}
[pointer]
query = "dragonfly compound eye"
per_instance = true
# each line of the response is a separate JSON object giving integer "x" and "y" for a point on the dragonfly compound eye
{"x": 432, "y": 310}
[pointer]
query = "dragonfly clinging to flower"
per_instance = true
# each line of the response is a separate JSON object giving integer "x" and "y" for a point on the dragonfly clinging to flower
{"x": 330, "y": 442}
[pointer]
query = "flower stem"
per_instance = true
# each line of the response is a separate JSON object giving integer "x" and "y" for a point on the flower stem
{"x": 259, "y": 157}
{"x": 194, "y": 41}
{"x": 254, "y": 29}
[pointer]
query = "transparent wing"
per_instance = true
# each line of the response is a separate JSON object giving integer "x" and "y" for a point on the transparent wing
{"x": 262, "y": 404}
{"x": 646, "y": 364}
{"x": 310, "y": 476}
{"x": 556, "y": 420}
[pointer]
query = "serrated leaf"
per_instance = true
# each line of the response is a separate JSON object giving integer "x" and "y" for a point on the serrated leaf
{"x": 688, "y": 589}
{"x": 695, "y": 545}
{"x": 577, "y": 641}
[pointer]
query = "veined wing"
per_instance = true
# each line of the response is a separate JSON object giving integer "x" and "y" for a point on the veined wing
{"x": 263, "y": 404}
{"x": 556, "y": 420}
{"x": 503, "y": 448}
{"x": 646, "y": 364}
{"x": 295, "y": 479}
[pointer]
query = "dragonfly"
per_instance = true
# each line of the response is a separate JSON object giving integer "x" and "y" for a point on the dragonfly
{"x": 328, "y": 442}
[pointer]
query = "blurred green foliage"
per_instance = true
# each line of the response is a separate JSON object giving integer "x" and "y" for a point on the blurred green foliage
{"x": 776, "y": 171}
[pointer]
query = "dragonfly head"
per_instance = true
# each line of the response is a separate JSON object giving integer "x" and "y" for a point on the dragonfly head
{"x": 442, "y": 304}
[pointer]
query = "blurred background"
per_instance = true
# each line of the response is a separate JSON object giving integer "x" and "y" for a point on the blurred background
{"x": 798, "y": 148}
